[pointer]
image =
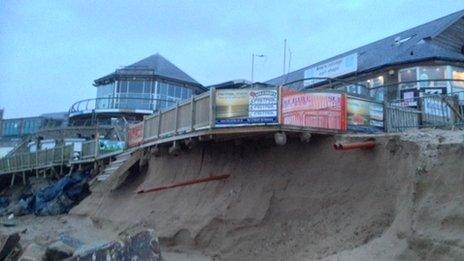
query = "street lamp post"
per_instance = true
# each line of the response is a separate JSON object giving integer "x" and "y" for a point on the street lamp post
{"x": 253, "y": 55}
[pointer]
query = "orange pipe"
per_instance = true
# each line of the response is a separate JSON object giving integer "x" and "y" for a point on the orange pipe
{"x": 183, "y": 183}
{"x": 367, "y": 145}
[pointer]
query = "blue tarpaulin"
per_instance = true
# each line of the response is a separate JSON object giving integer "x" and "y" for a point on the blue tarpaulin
{"x": 61, "y": 196}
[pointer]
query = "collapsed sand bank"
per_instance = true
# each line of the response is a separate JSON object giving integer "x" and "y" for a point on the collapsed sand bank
{"x": 402, "y": 200}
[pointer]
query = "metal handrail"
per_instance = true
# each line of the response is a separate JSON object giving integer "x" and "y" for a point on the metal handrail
{"x": 416, "y": 81}
{"x": 117, "y": 103}
{"x": 331, "y": 81}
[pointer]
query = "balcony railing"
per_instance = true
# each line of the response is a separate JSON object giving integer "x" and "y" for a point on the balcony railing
{"x": 117, "y": 104}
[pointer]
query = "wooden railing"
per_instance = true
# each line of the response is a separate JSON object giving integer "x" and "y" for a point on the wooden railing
{"x": 187, "y": 116}
{"x": 59, "y": 155}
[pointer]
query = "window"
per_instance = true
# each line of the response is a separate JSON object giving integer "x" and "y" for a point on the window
{"x": 178, "y": 91}
{"x": 375, "y": 89}
{"x": 11, "y": 127}
{"x": 429, "y": 73}
{"x": 185, "y": 93}
{"x": 163, "y": 89}
{"x": 171, "y": 90}
{"x": 458, "y": 86}
{"x": 458, "y": 75}
{"x": 148, "y": 87}
{"x": 408, "y": 78}
{"x": 104, "y": 91}
{"x": 136, "y": 86}
{"x": 123, "y": 86}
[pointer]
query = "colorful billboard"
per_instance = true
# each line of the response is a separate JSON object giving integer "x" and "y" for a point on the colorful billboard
{"x": 110, "y": 146}
{"x": 364, "y": 115}
{"x": 314, "y": 110}
{"x": 246, "y": 107}
{"x": 135, "y": 134}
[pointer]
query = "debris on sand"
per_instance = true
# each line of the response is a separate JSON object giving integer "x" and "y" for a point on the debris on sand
{"x": 54, "y": 199}
{"x": 141, "y": 246}
{"x": 9, "y": 245}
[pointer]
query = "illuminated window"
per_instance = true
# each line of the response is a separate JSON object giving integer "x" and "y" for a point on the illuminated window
{"x": 408, "y": 78}
{"x": 427, "y": 75}
{"x": 458, "y": 75}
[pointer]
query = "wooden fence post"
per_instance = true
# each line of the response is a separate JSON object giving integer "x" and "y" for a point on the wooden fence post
{"x": 158, "y": 132}
{"x": 212, "y": 108}
{"x": 192, "y": 112}
{"x": 176, "y": 118}
{"x": 37, "y": 162}
{"x": 62, "y": 159}
{"x": 12, "y": 179}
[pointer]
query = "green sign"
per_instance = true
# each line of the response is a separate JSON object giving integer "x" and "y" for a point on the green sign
{"x": 109, "y": 146}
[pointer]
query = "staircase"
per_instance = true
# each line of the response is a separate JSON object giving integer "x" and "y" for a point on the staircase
{"x": 122, "y": 164}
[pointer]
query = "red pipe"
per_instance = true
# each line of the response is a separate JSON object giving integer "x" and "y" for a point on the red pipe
{"x": 355, "y": 145}
{"x": 183, "y": 183}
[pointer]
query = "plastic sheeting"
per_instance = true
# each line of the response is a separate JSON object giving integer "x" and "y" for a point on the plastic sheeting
{"x": 59, "y": 197}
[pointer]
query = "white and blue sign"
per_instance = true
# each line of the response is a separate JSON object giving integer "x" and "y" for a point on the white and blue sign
{"x": 331, "y": 69}
{"x": 246, "y": 107}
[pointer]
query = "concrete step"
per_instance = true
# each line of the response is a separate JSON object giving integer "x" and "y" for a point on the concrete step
{"x": 111, "y": 168}
{"x": 124, "y": 154}
{"x": 103, "y": 177}
{"x": 119, "y": 161}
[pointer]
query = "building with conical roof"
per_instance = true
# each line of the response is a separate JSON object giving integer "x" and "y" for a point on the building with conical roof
{"x": 139, "y": 89}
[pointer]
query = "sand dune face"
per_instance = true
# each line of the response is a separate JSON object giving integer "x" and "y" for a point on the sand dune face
{"x": 302, "y": 201}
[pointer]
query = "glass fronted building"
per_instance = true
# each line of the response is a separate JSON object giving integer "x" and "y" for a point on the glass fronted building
{"x": 21, "y": 127}
{"x": 151, "y": 84}
{"x": 142, "y": 93}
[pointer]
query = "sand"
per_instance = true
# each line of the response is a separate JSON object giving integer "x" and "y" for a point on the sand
{"x": 403, "y": 200}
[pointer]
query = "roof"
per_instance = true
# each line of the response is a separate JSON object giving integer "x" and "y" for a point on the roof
{"x": 155, "y": 65}
{"x": 237, "y": 83}
{"x": 411, "y": 45}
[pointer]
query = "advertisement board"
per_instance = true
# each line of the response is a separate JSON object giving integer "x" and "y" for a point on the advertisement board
{"x": 236, "y": 107}
{"x": 364, "y": 115}
{"x": 135, "y": 134}
{"x": 332, "y": 69}
{"x": 436, "y": 106}
{"x": 315, "y": 110}
{"x": 109, "y": 146}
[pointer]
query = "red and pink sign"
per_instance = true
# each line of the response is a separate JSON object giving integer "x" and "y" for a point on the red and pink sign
{"x": 314, "y": 110}
{"x": 135, "y": 134}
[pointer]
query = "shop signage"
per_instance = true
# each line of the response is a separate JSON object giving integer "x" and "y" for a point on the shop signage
{"x": 245, "y": 107}
{"x": 364, "y": 115}
{"x": 332, "y": 69}
{"x": 314, "y": 110}
{"x": 436, "y": 106}
{"x": 135, "y": 134}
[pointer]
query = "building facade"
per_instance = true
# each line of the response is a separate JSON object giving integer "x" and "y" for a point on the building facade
{"x": 151, "y": 84}
{"x": 22, "y": 127}
{"x": 425, "y": 59}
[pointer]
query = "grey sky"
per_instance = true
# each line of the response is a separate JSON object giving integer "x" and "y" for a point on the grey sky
{"x": 51, "y": 51}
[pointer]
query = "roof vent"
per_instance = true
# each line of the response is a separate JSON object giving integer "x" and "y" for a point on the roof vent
{"x": 398, "y": 40}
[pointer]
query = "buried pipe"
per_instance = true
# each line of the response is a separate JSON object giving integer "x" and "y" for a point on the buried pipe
{"x": 183, "y": 183}
{"x": 367, "y": 145}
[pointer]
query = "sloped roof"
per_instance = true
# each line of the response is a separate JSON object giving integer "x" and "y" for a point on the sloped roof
{"x": 154, "y": 65}
{"x": 385, "y": 52}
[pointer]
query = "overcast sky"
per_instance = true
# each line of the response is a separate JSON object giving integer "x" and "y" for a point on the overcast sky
{"x": 51, "y": 51}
